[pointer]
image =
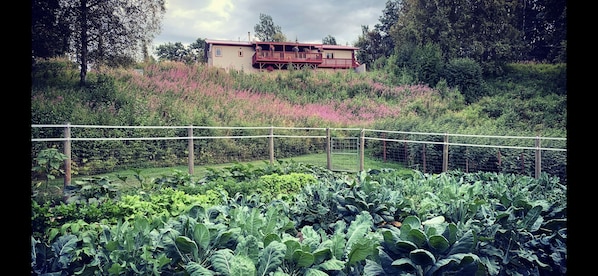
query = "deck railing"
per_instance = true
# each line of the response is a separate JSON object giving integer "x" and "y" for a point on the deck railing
{"x": 278, "y": 57}
{"x": 337, "y": 63}
{"x": 284, "y": 56}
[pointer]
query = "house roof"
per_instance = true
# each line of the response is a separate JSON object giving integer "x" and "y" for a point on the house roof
{"x": 229, "y": 42}
{"x": 340, "y": 47}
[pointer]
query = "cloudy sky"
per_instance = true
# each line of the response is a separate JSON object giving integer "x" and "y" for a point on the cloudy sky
{"x": 305, "y": 20}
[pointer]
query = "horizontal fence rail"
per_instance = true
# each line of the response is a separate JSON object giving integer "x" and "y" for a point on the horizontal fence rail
{"x": 96, "y": 149}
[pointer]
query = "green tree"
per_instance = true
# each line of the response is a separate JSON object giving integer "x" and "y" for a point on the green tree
{"x": 376, "y": 45}
{"x": 267, "y": 31}
{"x": 481, "y": 30}
{"x": 197, "y": 49}
{"x": 427, "y": 62}
{"x": 390, "y": 16}
{"x": 370, "y": 46}
{"x": 110, "y": 31}
{"x": 179, "y": 52}
{"x": 544, "y": 27}
{"x": 329, "y": 40}
{"x": 48, "y": 32}
{"x": 172, "y": 51}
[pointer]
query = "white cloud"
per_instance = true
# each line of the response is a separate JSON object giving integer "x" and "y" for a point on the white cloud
{"x": 307, "y": 20}
{"x": 219, "y": 8}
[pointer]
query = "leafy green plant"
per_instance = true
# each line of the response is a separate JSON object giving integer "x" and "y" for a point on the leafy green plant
{"x": 526, "y": 222}
{"x": 139, "y": 177}
{"x": 167, "y": 201}
{"x": 365, "y": 194}
{"x": 238, "y": 172}
{"x": 92, "y": 189}
{"x": 57, "y": 258}
{"x": 343, "y": 252}
{"x": 316, "y": 205}
{"x": 431, "y": 247}
{"x": 176, "y": 179}
{"x": 470, "y": 223}
{"x": 284, "y": 186}
{"x": 49, "y": 163}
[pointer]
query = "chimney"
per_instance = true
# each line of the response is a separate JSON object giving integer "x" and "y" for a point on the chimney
{"x": 249, "y": 36}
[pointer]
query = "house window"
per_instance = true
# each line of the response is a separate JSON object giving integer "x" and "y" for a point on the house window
{"x": 218, "y": 52}
{"x": 240, "y": 52}
{"x": 329, "y": 55}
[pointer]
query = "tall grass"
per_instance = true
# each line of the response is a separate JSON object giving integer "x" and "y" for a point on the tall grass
{"x": 289, "y": 99}
{"x": 171, "y": 93}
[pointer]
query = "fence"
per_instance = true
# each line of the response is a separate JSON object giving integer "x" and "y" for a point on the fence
{"x": 96, "y": 149}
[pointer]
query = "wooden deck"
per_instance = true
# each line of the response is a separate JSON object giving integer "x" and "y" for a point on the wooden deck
{"x": 283, "y": 55}
{"x": 287, "y": 57}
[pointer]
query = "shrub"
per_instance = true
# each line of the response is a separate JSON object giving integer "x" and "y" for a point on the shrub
{"x": 428, "y": 63}
{"x": 466, "y": 74}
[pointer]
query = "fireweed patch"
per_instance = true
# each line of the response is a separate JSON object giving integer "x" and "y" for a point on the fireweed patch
{"x": 197, "y": 89}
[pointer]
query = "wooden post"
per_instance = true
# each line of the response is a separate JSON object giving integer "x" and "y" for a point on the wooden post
{"x": 328, "y": 150}
{"x": 538, "y": 168}
{"x": 361, "y": 150}
{"x": 499, "y": 158}
{"x": 67, "y": 152}
{"x": 445, "y": 154}
{"x": 405, "y": 153}
{"x": 522, "y": 164}
{"x": 466, "y": 160}
{"x": 271, "y": 144}
{"x": 384, "y": 147}
{"x": 424, "y": 158}
{"x": 191, "y": 150}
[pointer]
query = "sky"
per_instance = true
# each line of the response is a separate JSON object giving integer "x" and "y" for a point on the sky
{"x": 307, "y": 21}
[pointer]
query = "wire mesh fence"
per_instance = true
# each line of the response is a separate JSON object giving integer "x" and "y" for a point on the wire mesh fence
{"x": 93, "y": 149}
{"x": 437, "y": 152}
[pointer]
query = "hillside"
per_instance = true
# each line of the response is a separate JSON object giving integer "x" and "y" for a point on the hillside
{"x": 171, "y": 93}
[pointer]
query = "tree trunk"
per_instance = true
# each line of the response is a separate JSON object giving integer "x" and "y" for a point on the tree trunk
{"x": 83, "y": 73}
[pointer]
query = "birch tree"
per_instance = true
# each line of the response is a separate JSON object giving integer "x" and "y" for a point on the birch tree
{"x": 111, "y": 32}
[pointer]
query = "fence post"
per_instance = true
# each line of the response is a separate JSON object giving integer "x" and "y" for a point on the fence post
{"x": 67, "y": 152}
{"x": 445, "y": 154}
{"x": 522, "y": 164}
{"x": 466, "y": 160}
{"x": 384, "y": 146}
{"x": 271, "y": 144}
{"x": 538, "y": 168}
{"x": 406, "y": 153}
{"x": 499, "y": 159}
{"x": 191, "y": 150}
{"x": 424, "y": 157}
{"x": 361, "y": 149}
{"x": 328, "y": 150}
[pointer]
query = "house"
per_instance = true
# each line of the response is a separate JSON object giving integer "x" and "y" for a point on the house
{"x": 258, "y": 56}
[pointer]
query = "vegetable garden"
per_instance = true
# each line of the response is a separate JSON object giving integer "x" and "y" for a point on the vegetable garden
{"x": 291, "y": 218}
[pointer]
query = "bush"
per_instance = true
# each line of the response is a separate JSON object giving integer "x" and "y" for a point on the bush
{"x": 428, "y": 63}
{"x": 466, "y": 74}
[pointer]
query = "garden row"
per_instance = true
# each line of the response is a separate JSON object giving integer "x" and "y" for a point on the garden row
{"x": 295, "y": 219}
